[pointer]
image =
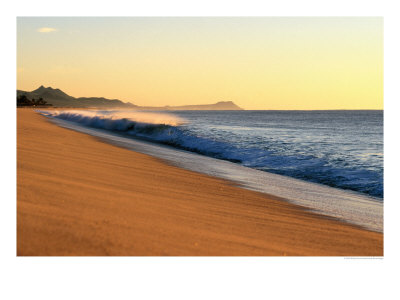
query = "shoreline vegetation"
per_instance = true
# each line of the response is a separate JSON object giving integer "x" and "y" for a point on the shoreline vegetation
{"x": 23, "y": 100}
{"x": 77, "y": 195}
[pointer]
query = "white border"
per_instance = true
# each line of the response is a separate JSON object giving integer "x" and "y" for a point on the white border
{"x": 198, "y": 278}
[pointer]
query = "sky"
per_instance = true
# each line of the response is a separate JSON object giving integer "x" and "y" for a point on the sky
{"x": 257, "y": 62}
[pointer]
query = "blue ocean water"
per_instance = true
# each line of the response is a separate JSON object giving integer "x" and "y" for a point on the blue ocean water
{"x": 342, "y": 149}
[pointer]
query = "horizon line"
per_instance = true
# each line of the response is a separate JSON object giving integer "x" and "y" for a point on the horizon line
{"x": 167, "y": 105}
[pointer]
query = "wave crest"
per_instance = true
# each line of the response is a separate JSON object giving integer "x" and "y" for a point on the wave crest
{"x": 171, "y": 130}
{"x": 156, "y": 127}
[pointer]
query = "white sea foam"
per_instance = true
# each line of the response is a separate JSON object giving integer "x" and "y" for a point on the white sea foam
{"x": 152, "y": 126}
{"x": 291, "y": 155}
{"x": 348, "y": 206}
{"x": 114, "y": 118}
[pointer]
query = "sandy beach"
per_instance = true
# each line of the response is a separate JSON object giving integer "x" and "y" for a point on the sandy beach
{"x": 79, "y": 196}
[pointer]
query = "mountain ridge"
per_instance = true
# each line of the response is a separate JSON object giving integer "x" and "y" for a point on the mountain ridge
{"x": 58, "y": 98}
{"x": 221, "y": 105}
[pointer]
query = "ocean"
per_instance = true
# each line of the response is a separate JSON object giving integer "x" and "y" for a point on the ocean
{"x": 329, "y": 161}
{"x": 342, "y": 149}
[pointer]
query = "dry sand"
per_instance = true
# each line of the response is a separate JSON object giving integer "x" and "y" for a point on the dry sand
{"x": 79, "y": 196}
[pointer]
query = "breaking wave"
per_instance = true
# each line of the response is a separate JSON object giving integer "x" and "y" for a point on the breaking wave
{"x": 174, "y": 131}
{"x": 156, "y": 127}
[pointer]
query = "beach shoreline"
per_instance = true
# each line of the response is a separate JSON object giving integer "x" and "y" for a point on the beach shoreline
{"x": 79, "y": 196}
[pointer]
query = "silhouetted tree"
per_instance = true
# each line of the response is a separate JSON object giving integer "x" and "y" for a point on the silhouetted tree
{"x": 22, "y": 100}
{"x": 40, "y": 101}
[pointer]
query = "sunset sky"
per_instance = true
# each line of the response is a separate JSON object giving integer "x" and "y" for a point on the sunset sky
{"x": 259, "y": 63}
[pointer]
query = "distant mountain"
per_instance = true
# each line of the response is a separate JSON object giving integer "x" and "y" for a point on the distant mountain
{"x": 222, "y": 105}
{"x": 58, "y": 98}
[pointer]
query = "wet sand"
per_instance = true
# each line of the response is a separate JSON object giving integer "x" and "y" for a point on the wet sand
{"x": 79, "y": 196}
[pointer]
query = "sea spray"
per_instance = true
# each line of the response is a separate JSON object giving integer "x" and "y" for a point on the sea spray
{"x": 336, "y": 148}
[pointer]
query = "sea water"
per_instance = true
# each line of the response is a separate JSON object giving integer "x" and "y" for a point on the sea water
{"x": 342, "y": 149}
{"x": 313, "y": 150}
